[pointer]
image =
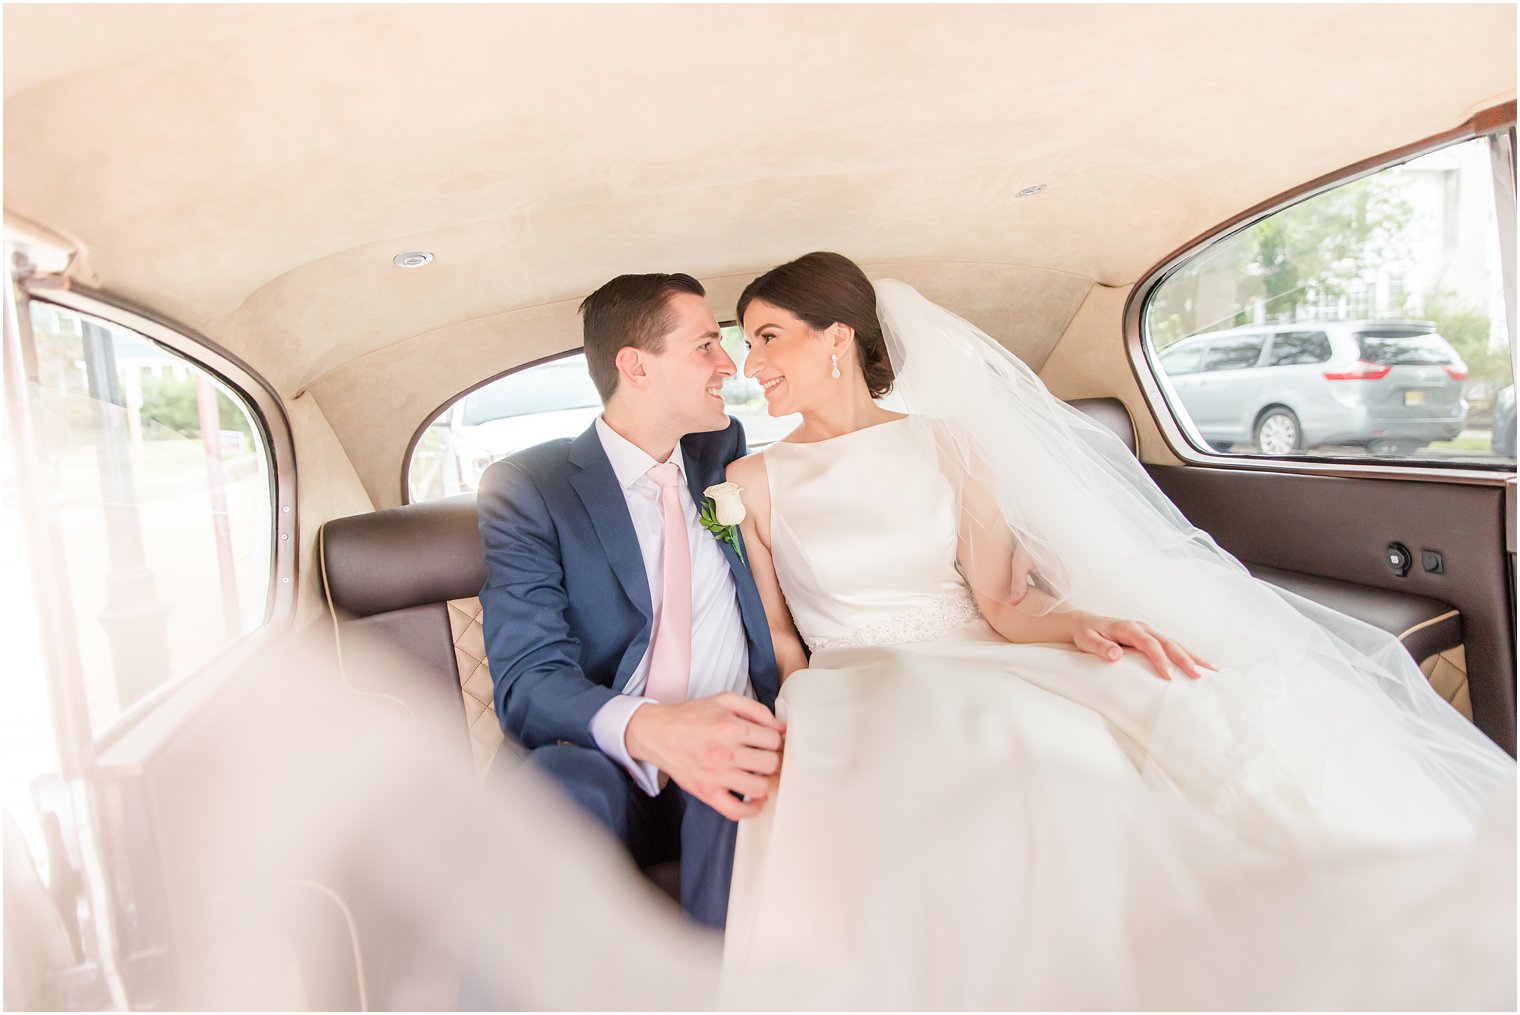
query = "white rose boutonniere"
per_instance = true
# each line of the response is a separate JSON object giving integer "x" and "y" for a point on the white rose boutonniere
{"x": 722, "y": 513}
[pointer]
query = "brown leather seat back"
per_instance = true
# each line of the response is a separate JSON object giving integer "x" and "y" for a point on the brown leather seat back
{"x": 408, "y": 579}
{"x": 1111, "y": 413}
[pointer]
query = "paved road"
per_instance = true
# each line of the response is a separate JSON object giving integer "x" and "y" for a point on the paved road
{"x": 1424, "y": 454}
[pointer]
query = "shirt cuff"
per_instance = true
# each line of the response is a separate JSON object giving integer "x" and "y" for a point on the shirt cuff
{"x": 609, "y": 728}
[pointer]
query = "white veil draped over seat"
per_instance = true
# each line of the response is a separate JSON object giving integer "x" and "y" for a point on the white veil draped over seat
{"x": 1094, "y": 532}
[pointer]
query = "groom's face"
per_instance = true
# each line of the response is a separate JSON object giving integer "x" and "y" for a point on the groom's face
{"x": 686, "y": 376}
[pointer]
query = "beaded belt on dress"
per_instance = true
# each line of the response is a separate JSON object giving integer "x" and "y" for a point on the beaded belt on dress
{"x": 938, "y": 616}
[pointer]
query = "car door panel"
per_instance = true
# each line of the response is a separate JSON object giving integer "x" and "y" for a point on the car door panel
{"x": 1340, "y": 528}
{"x": 228, "y": 841}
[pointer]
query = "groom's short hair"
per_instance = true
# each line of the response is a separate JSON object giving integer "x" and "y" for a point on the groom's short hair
{"x": 631, "y": 310}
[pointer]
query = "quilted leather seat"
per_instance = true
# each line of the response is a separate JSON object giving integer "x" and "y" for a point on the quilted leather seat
{"x": 411, "y": 577}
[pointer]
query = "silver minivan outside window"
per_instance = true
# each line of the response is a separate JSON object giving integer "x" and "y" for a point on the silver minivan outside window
{"x": 1290, "y": 348}
{"x": 1365, "y": 322}
{"x": 1234, "y": 354}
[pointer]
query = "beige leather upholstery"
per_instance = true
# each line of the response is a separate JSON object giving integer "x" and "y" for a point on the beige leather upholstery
{"x": 1448, "y": 675}
{"x": 475, "y": 681}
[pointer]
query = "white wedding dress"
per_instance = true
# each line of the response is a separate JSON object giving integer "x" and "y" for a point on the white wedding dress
{"x": 968, "y": 823}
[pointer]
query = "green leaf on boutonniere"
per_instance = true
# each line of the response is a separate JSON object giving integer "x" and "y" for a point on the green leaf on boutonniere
{"x": 727, "y": 533}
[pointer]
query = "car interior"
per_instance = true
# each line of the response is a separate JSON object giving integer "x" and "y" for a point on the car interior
{"x": 244, "y": 193}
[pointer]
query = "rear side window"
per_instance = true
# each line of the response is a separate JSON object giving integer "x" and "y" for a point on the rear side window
{"x": 540, "y": 403}
{"x": 1396, "y": 350}
{"x": 161, "y": 480}
{"x": 1233, "y": 354}
{"x": 1386, "y": 291}
{"x": 550, "y": 387}
{"x": 1290, "y": 348}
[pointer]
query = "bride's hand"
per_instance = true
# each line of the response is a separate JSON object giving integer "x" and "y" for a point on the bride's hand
{"x": 1108, "y": 637}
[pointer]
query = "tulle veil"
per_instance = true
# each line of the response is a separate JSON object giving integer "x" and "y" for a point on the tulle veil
{"x": 1092, "y": 531}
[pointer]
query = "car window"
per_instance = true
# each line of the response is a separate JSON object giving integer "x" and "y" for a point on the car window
{"x": 1390, "y": 285}
{"x": 160, "y": 479}
{"x": 561, "y": 384}
{"x": 1233, "y": 354}
{"x": 1290, "y": 348}
{"x": 540, "y": 403}
{"x": 1404, "y": 350}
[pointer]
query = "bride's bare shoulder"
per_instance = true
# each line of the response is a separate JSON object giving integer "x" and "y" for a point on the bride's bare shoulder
{"x": 748, "y": 474}
{"x": 747, "y": 471}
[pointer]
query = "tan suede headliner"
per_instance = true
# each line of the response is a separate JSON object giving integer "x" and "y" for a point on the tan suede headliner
{"x": 250, "y": 171}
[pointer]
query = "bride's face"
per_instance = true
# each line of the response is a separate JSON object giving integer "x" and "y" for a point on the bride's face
{"x": 792, "y": 360}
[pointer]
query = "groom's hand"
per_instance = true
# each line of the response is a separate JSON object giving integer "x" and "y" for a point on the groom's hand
{"x": 712, "y": 747}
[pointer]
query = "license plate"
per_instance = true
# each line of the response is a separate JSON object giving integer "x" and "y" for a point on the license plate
{"x": 1414, "y": 398}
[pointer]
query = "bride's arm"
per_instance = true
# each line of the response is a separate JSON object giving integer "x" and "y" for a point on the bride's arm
{"x": 749, "y": 474}
{"x": 998, "y": 571}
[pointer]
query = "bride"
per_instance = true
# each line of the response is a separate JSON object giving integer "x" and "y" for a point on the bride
{"x": 1011, "y": 779}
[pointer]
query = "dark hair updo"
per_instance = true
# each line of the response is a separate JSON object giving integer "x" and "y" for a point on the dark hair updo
{"x": 822, "y": 289}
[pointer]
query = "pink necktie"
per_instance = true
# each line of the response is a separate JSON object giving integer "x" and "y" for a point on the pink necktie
{"x": 670, "y": 656}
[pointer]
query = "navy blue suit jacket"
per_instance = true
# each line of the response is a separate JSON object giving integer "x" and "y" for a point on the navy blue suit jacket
{"x": 567, "y": 610}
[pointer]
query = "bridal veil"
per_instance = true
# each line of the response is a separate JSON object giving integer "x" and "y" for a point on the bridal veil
{"x": 1089, "y": 529}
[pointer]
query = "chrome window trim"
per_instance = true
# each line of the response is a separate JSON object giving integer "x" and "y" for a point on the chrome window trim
{"x": 268, "y": 413}
{"x": 1179, "y": 436}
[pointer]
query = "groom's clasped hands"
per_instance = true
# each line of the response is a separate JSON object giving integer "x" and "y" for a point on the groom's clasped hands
{"x": 713, "y": 747}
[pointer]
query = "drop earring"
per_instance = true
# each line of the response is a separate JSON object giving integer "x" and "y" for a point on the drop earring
{"x": 836, "y": 365}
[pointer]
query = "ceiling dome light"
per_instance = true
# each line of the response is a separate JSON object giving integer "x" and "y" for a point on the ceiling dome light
{"x": 1030, "y": 191}
{"x": 412, "y": 259}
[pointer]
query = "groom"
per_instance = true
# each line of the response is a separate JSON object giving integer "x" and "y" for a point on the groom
{"x": 628, "y": 645}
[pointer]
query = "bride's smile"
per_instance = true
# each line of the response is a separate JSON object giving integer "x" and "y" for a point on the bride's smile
{"x": 821, "y": 355}
{"x": 790, "y": 360}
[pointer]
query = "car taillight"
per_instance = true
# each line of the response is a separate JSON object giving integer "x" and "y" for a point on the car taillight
{"x": 1455, "y": 374}
{"x": 1361, "y": 370}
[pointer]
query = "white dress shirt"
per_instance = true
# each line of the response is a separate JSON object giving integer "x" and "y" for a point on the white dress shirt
{"x": 719, "y": 649}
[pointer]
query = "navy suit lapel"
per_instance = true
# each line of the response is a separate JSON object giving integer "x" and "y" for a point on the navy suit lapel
{"x": 700, "y": 474}
{"x": 762, "y": 654}
{"x": 597, "y": 486}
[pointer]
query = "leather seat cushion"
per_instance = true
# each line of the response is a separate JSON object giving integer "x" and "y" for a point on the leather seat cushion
{"x": 1425, "y": 626}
